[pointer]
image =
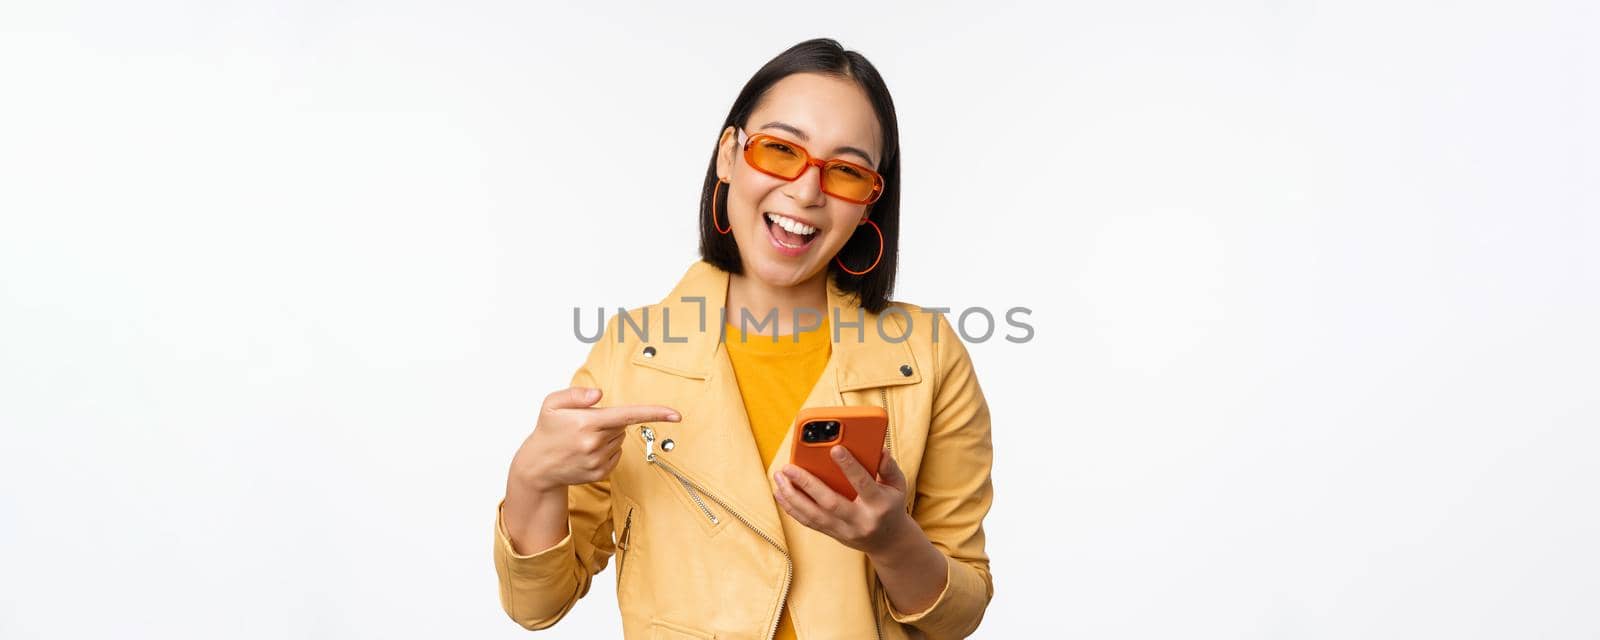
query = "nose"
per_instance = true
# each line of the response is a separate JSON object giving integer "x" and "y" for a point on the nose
{"x": 806, "y": 190}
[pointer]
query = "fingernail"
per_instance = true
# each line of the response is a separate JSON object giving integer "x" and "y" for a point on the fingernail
{"x": 589, "y": 394}
{"x": 673, "y": 416}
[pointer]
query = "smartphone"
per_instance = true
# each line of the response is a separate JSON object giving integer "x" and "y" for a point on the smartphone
{"x": 861, "y": 430}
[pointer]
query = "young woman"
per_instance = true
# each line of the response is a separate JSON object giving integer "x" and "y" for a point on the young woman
{"x": 671, "y": 448}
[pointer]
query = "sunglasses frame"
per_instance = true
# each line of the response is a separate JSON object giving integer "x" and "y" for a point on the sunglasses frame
{"x": 746, "y": 141}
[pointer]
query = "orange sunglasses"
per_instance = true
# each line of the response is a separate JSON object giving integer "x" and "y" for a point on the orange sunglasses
{"x": 781, "y": 158}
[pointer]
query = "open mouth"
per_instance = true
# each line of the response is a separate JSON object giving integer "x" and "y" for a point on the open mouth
{"x": 790, "y": 236}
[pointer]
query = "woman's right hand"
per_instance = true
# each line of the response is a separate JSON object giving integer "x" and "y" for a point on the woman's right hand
{"x": 573, "y": 442}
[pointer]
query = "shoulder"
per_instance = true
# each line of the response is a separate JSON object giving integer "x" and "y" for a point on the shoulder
{"x": 929, "y": 331}
{"x": 917, "y": 323}
{"x": 611, "y": 333}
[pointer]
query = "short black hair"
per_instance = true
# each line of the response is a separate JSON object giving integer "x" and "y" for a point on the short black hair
{"x": 824, "y": 56}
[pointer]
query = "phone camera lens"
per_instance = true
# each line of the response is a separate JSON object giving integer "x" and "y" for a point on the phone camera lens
{"x": 820, "y": 431}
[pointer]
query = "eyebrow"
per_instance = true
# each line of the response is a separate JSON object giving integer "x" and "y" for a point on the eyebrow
{"x": 805, "y": 138}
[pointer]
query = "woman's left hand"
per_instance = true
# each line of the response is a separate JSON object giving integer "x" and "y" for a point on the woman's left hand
{"x": 872, "y": 523}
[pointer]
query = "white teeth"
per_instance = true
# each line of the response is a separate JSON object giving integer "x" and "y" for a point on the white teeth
{"x": 791, "y": 225}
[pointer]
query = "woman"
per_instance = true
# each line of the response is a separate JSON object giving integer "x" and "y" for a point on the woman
{"x": 670, "y": 449}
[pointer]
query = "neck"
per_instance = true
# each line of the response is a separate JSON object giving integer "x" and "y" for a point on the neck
{"x": 759, "y": 299}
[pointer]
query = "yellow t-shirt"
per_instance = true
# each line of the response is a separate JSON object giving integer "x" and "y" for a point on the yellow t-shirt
{"x": 774, "y": 379}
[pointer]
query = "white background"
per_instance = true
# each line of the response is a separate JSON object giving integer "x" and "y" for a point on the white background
{"x": 1314, "y": 290}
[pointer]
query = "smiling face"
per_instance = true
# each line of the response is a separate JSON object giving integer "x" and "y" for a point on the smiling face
{"x": 787, "y": 232}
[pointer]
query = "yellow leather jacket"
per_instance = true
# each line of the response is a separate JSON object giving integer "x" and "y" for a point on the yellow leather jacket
{"x": 702, "y": 549}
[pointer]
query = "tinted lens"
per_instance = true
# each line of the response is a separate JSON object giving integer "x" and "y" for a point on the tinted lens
{"x": 776, "y": 156}
{"x": 849, "y": 181}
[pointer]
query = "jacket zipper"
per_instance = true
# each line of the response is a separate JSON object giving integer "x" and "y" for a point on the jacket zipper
{"x": 627, "y": 545}
{"x": 887, "y": 441}
{"x": 650, "y": 439}
{"x": 696, "y": 498}
{"x": 649, "y": 436}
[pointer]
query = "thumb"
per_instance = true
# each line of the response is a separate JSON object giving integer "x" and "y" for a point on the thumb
{"x": 572, "y": 398}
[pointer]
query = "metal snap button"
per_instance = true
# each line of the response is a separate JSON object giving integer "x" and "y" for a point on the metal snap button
{"x": 905, "y": 370}
{"x": 649, "y": 352}
{"x": 666, "y": 445}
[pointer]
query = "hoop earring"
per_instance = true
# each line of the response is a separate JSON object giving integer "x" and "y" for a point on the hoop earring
{"x": 718, "y": 227}
{"x": 874, "y": 260}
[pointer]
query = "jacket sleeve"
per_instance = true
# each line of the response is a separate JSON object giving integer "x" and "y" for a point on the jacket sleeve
{"x": 537, "y": 590}
{"x": 953, "y": 493}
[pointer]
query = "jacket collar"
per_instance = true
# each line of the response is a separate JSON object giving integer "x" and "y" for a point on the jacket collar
{"x": 690, "y": 334}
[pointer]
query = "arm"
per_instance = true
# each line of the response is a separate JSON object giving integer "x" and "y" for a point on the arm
{"x": 538, "y": 589}
{"x": 550, "y": 542}
{"x": 953, "y": 496}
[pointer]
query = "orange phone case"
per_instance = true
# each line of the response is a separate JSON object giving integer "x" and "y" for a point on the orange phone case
{"x": 861, "y": 430}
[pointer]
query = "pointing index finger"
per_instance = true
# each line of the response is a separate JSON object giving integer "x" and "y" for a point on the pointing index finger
{"x": 617, "y": 417}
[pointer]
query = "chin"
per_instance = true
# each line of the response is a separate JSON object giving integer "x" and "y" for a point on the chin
{"x": 781, "y": 274}
{"x": 778, "y": 274}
